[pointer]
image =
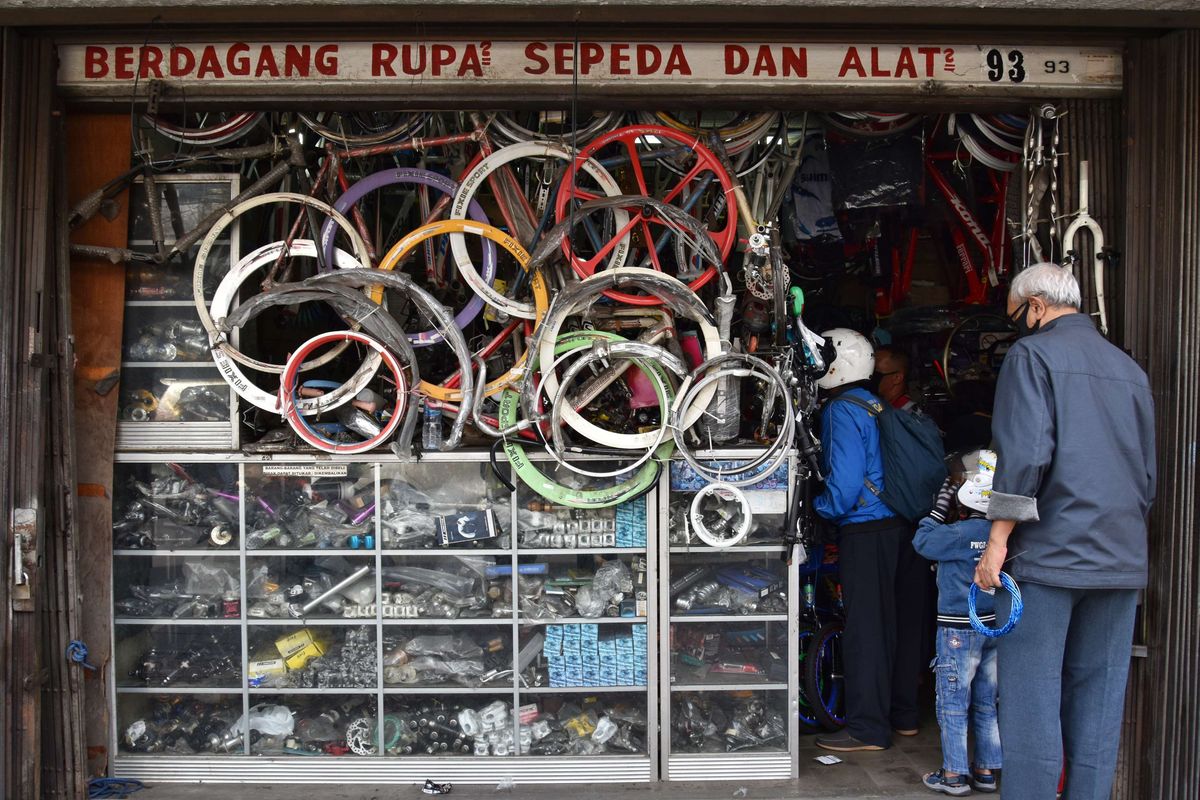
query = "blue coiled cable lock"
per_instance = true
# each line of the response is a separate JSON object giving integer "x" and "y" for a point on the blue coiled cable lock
{"x": 1014, "y": 615}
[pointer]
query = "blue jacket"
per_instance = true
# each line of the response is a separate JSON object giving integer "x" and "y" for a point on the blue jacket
{"x": 849, "y": 454}
{"x": 1074, "y": 431}
{"x": 955, "y": 546}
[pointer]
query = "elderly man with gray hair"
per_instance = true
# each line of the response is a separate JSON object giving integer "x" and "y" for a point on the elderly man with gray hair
{"x": 1074, "y": 429}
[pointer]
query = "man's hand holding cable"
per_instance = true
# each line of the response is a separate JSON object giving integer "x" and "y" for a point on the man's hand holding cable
{"x": 987, "y": 570}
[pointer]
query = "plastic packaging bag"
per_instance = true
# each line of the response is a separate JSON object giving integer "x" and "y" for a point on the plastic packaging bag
{"x": 205, "y": 580}
{"x": 268, "y": 720}
{"x": 446, "y": 646}
{"x": 612, "y": 578}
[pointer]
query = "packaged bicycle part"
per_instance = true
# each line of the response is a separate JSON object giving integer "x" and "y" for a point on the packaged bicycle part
{"x": 469, "y": 526}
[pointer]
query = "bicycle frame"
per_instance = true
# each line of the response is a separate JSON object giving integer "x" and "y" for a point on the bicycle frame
{"x": 969, "y": 230}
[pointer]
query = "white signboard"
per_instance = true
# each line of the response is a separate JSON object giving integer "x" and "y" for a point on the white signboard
{"x": 307, "y": 470}
{"x": 416, "y": 64}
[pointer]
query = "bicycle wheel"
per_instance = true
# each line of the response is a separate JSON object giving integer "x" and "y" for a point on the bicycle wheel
{"x": 209, "y": 129}
{"x": 809, "y": 724}
{"x": 824, "y": 676}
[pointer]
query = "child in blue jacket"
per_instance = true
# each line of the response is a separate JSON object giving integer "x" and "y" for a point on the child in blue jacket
{"x": 966, "y": 660}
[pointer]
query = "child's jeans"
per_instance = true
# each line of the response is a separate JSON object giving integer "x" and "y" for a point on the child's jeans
{"x": 966, "y": 688}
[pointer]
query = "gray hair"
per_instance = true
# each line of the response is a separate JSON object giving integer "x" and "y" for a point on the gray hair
{"x": 1054, "y": 284}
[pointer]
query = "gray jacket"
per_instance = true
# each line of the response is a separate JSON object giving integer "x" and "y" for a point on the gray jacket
{"x": 1074, "y": 432}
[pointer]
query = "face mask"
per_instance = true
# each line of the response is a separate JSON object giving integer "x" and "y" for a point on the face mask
{"x": 876, "y": 379}
{"x": 1019, "y": 319}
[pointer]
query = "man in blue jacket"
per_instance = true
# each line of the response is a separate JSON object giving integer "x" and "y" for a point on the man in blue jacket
{"x": 870, "y": 536}
{"x": 1074, "y": 431}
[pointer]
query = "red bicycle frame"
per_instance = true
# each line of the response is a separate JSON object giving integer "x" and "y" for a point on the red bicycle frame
{"x": 991, "y": 246}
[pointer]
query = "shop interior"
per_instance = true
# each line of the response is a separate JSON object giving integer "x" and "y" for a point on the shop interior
{"x": 498, "y": 505}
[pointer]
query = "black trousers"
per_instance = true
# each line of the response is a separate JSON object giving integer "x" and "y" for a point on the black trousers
{"x": 885, "y": 615}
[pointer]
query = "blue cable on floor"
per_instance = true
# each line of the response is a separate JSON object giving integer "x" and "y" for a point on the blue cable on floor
{"x": 113, "y": 787}
{"x": 1014, "y": 615}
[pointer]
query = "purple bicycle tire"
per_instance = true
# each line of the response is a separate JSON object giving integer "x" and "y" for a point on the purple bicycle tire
{"x": 422, "y": 177}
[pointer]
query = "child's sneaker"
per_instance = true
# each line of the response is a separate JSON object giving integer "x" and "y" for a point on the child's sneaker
{"x": 983, "y": 783}
{"x": 956, "y": 786}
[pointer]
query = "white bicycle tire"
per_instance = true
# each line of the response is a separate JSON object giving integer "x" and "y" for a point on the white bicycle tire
{"x": 728, "y": 492}
{"x": 215, "y": 338}
{"x": 549, "y": 336}
{"x": 475, "y": 178}
{"x": 228, "y": 366}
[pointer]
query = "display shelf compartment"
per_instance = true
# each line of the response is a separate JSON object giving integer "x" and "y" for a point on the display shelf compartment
{"x": 179, "y": 690}
{"x": 748, "y": 548}
{"x": 589, "y": 551}
{"x": 582, "y": 621}
{"x": 449, "y": 551}
{"x": 172, "y": 621}
{"x": 496, "y": 621}
{"x": 729, "y": 618}
{"x": 264, "y": 552}
{"x": 264, "y": 690}
{"x": 741, "y": 685}
{"x": 502, "y": 689}
{"x": 301, "y": 622}
{"x": 581, "y": 689}
{"x": 148, "y": 552}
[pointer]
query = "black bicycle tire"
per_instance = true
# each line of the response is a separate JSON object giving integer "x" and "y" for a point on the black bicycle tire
{"x": 812, "y": 676}
{"x": 803, "y": 640}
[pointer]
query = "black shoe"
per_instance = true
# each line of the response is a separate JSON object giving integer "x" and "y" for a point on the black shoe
{"x": 436, "y": 788}
{"x": 843, "y": 742}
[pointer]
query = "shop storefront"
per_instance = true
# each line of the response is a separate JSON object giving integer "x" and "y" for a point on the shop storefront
{"x": 361, "y": 582}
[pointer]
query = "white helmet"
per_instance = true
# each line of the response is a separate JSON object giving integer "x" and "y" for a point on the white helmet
{"x": 854, "y": 359}
{"x": 976, "y": 491}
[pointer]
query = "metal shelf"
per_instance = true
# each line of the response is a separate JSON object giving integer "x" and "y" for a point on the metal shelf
{"x": 445, "y": 551}
{"x": 741, "y": 686}
{"x": 178, "y": 690}
{"x": 302, "y": 623}
{"x": 192, "y": 553}
{"x": 729, "y": 618}
{"x": 429, "y": 471}
{"x": 311, "y": 551}
{"x": 582, "y": 621}
{"x": 506, "y": 620}
{"x": 703, "y": 549}
{"x": 171, "y": 621}
{"x": 403, "y": 690}
{"x": 581, "y": 689}
{"x": 358, "y": 690}
{"x": 566, "y": 551}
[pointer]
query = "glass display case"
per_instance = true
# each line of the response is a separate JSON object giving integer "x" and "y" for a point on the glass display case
{"x": 408, "y": 619}
{"x": 729, "y": 658}
{"x": 172, "y": 396}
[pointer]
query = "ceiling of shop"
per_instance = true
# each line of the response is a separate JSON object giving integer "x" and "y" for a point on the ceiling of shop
{"x": 938, "y": 13}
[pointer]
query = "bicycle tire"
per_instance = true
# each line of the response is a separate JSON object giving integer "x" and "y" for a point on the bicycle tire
{"x": 406, "y": 125}
{"x": 509, "y": 129}
{"x": 223, "y": 132}
{"x": 828, "y": 690}
{"x": 809, "y": 724}
{"x": 870, "y": 126}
